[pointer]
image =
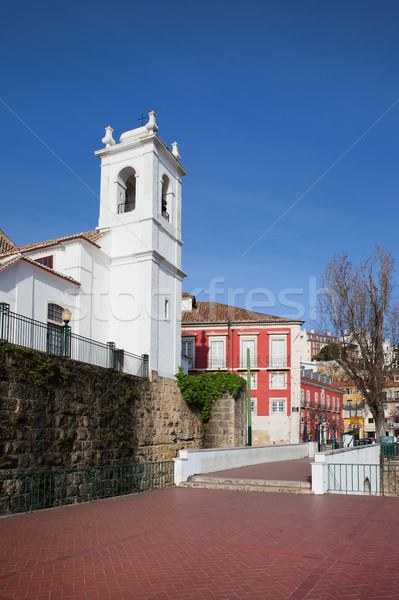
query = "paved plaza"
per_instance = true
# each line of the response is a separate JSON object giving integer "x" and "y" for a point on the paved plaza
{"x": 195, "y": 544}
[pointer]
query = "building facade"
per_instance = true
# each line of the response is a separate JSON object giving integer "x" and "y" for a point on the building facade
{"x": 121, "y": 281}
{"x": 354, "y": 410}
{"x": 321, "y": 408}
{"x": 316, "y": 341}
{"x": 217, "y": 336}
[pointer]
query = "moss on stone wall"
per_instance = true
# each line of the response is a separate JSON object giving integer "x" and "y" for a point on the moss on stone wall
{"x": 57, "y": 413}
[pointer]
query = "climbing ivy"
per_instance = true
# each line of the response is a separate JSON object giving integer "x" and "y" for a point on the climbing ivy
{"x": 202, "y": 390}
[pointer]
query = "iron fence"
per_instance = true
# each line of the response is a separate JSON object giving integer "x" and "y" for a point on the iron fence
{"x": 58, "y": 340}
{"x": 24, "y": 492}
{"x": 364, "y": 479}
{"x": 390, "y": 451}
{"x": 354, "y": 479}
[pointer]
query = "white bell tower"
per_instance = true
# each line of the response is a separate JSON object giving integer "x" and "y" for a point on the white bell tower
{"x": 140, "y": 208}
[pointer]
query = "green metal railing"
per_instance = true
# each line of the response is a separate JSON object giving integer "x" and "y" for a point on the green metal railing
{"x": 24, "y": 492}
{"x": 390, "y": 451}
{"x": 364, "y": 479}
{"x": 60, "y": 341}
{"x": 354, "y": 478}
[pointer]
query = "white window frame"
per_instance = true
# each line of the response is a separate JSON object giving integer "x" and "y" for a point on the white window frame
{"x": 278, "y": 403}
{"x": 274, "y": 376}
{"x": 243, "y": 354}
{"x": 217, "y": 363}
{"x": 254, "y": 406}
{"x": 188, "y": 340}
{"x": 316, "y": 398}
{"x": 254, "y": 380}
{"x": 278, "y": 362}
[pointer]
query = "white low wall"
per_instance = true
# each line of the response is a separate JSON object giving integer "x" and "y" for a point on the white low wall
{"x": 359, "y": 468}
{"x": 194, "y": 462}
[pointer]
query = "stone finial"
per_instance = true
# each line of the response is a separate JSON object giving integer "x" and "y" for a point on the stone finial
{"x": 175, "y": 150}
{"x": 108, "y": 140}
{"x": 151, "y": 125}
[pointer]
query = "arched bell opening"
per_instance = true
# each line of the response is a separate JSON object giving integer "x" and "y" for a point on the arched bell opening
{"x": 126, "y": 185}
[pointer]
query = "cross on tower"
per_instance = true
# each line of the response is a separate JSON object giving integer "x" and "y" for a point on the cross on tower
{"x": 142, "y": 119}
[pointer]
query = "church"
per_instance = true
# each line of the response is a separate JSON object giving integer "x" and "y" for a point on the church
{"x": 121, "y": 281}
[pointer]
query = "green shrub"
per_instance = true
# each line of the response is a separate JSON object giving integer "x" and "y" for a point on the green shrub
{"x": 201, "y": 390}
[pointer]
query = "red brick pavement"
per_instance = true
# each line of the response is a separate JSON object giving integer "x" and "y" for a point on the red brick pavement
{"x": 195, "y": 544}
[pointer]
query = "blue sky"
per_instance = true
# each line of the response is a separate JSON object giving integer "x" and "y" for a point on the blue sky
{"x": 262, "y": 96}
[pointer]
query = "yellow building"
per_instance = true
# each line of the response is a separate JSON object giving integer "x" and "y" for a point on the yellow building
{"x": 354, "y": 410}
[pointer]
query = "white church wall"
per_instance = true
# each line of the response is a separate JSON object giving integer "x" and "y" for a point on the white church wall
{"x": 29, "y": 289}
{"x": 125, "y": 282}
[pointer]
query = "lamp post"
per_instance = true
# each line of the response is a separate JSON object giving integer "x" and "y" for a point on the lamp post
{"x": 249, "y": 397}
{"x": 229, "y": 322}
{"x": 66, "y": 317}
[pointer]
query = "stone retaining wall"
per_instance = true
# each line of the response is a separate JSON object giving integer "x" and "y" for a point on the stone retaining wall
{"x": 56, "y": 413}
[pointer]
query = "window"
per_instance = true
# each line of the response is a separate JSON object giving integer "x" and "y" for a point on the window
{"x": 245, "y": 346}
{"x": 302, "y": 396}
{"x": 166, "y": 309}
{"x": 333, "y": 402}
{"x": 278, "y": 405}
{"x": 370, "y": 420}
{"x": 302, "y": 416}
{"x": 165, "y": 197}
{"x": 328, "y": 402}
{"x": 217, "y": 354}
{"x": 54, "y": 343}
{"x": 278, "y": 355}
{"x": 316, "y": 398}
{"x": 46, "y": 261}
{"x": 396, "y": 377}
{"x": 126, "y": 185}
{"x": 187, "y": 349}
{"x": 54, "y": 313}
{"x": 308, "y": 397}
{"x": 322, "y": 398}
{"x": 254, "y": 406}
{"x": 253, "y": 380}
{"x": 277, "y": 381}
{"x": 396, "y": 395}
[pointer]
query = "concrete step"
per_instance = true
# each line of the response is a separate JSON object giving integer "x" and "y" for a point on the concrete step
{"x": 248, "y": 485}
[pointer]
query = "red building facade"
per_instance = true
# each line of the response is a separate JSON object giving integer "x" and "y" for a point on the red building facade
{"x": 217, "y": 336}
{"x": 321, "y": 408}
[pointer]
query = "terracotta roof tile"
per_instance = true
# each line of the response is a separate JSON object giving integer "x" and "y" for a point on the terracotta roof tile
{"x": 6, "y": 245}
{"x": 8, "y": 261}
{"x": 213, "y": 312}
{"x": 91, "y": 236}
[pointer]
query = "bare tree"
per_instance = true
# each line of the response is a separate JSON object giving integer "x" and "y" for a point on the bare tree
{"x": 357, "y": 303}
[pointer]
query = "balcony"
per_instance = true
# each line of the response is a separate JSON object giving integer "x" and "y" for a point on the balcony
{"x": 126, "y": 207}
{"x": 217, "y": 363}
{"x": 278, "y": 362}
{"x": 241, "y": 362}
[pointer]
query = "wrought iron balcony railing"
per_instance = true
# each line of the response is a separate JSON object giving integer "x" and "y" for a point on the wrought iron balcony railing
{"x": 241, "y": 362}
{"x": 216, "y": 363}
{"x": 278, "y": 362}
{"x": 126, "y": 207}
